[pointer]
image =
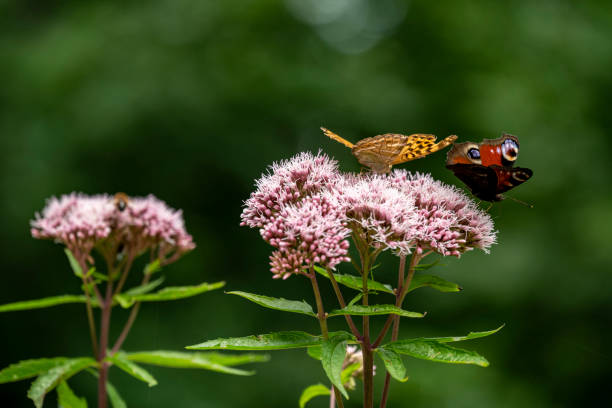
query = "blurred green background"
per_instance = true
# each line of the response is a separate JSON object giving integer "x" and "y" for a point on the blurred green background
{"x": 191, "y": 99}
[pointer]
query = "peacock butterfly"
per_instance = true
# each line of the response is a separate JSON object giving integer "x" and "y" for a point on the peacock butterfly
{"x": 487, "y": 167}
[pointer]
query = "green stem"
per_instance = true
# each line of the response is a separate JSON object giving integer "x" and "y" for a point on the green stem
{"x": 322, "y": 317}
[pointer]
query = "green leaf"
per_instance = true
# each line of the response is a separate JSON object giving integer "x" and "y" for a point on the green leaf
{"x": 294, "y": 306}
{"x": 393, "y": 363}
{"x": 29, "y": 368}
{"x": 74, "y": 264}
{"x": 313, "y": 391}
{"x": 122, "y": 362}
{"x": 152, "y": 267}
{"x": 67, "y": 399}
{"x": 44, "y": 302}
{"x": 436, "y": 351}
{"x": 470, "y": 336}
{"x": 355, "y": 299}
{"x": 236, "y": 359}
{"x": 169, "y": 293}
{"x": 114, "y": 397}
{"x": 355, "y": 282}
{"x": 314, "y": 352}
{"x": 348, "y": 372}
{"x": 333, "y": 351}
{"x": 424, "y": 267}
{"x": 142, "y": 289}
{"x": 207, "y": 361}
{"x": 271, "y": 341}
{"x": 421, "y": 280}
{"x": 49, "y": 380}
{"x": 361, "y": 310}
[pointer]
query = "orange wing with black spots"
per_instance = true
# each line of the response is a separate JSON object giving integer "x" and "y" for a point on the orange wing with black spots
{"x": 420, "y": 145}
{"x": 487, "y": 167}
{"x": 381, "y": 152}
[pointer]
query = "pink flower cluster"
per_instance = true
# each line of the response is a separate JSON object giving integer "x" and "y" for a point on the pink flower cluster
{"x": 306, "y": 209}
{"x": 82, "y": 222}
{"x": 448, "y": 221}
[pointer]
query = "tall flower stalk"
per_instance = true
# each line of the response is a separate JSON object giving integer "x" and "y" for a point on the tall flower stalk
{"x": 103, "y": 237}
{"x": 310, "y": 213}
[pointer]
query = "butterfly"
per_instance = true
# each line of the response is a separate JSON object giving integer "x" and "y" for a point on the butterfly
{"x": 487, "y": 167}
{"x": 381, "y": 152}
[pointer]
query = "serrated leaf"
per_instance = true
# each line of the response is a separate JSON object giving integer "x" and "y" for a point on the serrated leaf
{"x": 436, "y": 351}
{"x": 333, "y": 351}
{"x": 313, "y": 391}
{"x": 122, "y": 362}
{"x": 360, "y": 310}
{"x": 207, "y": 361}
{"x": 470, "y": 336}
{"x": 152, "y": 267}
{"x": 393, "y": 363}
{"x": 114, "y": 397}
{"x": 142, "y": 289}
{"x": 285, "y": 305}
{"x": 355, "y": 282}
{"x": 45, "y": 302}
{"x": 74, "y": 264}
{"x": 29, "y": 368}
{"x": 47, "y": 381}
{"x": 314, "y": 352}
{"x": 66, "y": 398}
{"x": 169, "y": 293}
{"x": 424, "y": 267}
{"x": 434, "y": 282}
{"x": 271, "y": 341}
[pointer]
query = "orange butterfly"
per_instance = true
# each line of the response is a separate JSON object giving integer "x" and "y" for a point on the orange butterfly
{"x": 381, "y": 152}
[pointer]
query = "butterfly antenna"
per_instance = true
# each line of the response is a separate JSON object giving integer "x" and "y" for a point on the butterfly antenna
{"x": 520, "y": 202}
{"x": 337, "y": 138}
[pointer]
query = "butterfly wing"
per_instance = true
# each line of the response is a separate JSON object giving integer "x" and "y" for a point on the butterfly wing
{"x": 509, "y": 177}
{"x": 481, "y": 180}
{"x": 421, "y": 145}
{"x": 379, "y": 151}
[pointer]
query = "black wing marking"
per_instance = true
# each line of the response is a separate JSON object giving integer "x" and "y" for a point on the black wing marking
{"x": 481, "y": 180}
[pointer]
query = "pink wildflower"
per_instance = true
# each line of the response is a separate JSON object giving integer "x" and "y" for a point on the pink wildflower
{"x": 378, "y": 212}
{"x": 449, "y": 222}
{"x": 310, "y": 232}
{"x": 287, "y": 183}
{"x": 83, "y": 222}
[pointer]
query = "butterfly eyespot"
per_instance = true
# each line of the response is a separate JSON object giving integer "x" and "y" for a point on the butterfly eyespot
{"x": 474, "y": 154}
{"x": 510, "y": 150}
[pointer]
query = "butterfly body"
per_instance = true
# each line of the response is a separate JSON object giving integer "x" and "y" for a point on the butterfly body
{"x": 487, "y": 168}
{"x": 382, "y": 152}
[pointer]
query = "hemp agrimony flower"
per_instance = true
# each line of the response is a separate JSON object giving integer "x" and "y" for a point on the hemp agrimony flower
{"x": 310, "y": 212}
{"x": 103, "y": 237}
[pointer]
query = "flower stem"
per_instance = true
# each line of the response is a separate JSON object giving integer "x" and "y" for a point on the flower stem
{"x": 349, "y": 319}
{"x": 130, "y": 321}
{"x": 366, "y": 347}
{"x": 322, "y": 317}
{"x": 402, "y": 290}
{"x": 107, "y": 306}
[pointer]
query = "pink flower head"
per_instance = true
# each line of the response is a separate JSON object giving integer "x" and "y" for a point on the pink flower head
{"x": 310, "y": 232}
{"x": 83, "y": 222}
{"x": 152, "y": 223}
{"x": 380, "y": 213}
{"x": 287, "y": 183}
{"x": 449, "y": 222}
{"x": 76, "y": 220}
